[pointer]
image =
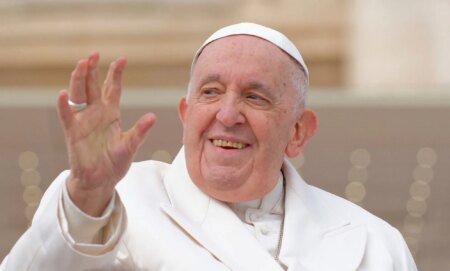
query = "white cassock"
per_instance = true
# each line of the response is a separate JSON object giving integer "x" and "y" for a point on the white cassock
{"x": 169, "y": 224}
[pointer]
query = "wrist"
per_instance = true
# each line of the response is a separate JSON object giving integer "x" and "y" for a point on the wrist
{"x": 91, "y": 200}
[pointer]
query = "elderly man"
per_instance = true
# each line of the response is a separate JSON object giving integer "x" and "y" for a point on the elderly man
{"x": 229, "y": 201}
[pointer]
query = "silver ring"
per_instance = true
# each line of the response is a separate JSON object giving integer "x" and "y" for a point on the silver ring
{"x": 77, "y": 107}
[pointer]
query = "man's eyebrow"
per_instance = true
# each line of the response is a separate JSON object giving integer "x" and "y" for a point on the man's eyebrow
{"x": 259, "y": 86}
{"x": 210, "y": 78}
{"x": 251, "y": 85}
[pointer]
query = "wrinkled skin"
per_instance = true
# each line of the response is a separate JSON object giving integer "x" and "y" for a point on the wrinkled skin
{"x": 100, "y": 153}
{"x": 242, "y": 117}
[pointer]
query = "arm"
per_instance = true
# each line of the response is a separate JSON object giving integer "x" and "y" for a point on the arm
{"x": 405, "y": 260}
{"x": 45, "y": 245}
{"x": 100, "y": 154}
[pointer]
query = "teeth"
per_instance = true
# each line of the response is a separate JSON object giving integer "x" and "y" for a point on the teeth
{"x": 229, "y": 144}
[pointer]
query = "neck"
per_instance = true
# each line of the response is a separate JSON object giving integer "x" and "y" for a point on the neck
{"x": 270, "y": 203}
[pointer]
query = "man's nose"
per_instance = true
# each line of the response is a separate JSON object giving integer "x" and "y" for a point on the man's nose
{"x": 230, "y": 112}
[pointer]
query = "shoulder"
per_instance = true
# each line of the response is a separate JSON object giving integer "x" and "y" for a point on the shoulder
{"x": 327, "y": 207}
{"x": 381, "y": 236}
{"x": 146, "y": 169}
{"x": 152, "y": 165}
{"x": 383, "y": 240}
{"x": 340, "y": 208}
{"x": 143, "y": 178}
{"x": 328, "y": 210}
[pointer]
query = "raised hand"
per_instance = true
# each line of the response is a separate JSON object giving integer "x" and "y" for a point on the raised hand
{"x": 100, "y": 153}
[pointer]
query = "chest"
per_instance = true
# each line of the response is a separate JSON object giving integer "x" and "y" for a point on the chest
{"x": 160, "y": 244}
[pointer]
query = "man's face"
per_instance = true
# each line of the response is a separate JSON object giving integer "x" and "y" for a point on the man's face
{"x": 241, "y": 118}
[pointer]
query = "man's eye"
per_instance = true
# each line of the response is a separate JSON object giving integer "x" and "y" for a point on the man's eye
{"x": 257, "y": 100}
{"x": 209, "y": 92}
{"x": 254, "y": 97}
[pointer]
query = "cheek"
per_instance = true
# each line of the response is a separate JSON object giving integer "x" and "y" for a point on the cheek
{"x": 266, "y": 131}
{"x": 197, "y": 121}
{"x": 274, "y": 133}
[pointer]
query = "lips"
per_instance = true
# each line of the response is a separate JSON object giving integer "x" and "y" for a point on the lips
{"x": 228, "y": 144}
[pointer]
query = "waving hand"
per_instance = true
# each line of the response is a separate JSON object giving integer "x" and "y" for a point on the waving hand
{"x": 100, "y": 152}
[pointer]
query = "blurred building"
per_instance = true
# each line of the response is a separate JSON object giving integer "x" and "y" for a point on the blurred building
{"x": 380, "y": 83}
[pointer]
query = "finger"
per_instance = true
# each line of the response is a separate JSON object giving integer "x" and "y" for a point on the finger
{"x": 92, "y": 84}
{"x": 77, "y": 82}
{"x": 137, "y": 134}
{"x": 64, "y": 112}
{"x": 113, "y": 84}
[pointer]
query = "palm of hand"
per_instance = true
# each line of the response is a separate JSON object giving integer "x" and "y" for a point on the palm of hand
{"x": 100, "y": 153}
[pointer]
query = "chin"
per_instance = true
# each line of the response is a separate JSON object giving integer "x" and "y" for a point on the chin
{"x": 221, "y": 187}
{"x": 231, "y": 190}
{"x": 224, "y": 182}
{"x": 233, "y": 196}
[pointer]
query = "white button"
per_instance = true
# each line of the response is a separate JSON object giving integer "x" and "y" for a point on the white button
{"x": 265, "y": 230}
{"x": 254, "y": 216}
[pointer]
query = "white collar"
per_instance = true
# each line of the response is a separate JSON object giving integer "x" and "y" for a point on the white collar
{"x": 269, "y": 204}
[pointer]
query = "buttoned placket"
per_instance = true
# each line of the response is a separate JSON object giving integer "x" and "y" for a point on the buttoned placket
{"x": 263, "y": 217}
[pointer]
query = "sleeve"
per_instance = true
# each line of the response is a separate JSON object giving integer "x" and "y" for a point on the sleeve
{"x": 49, "y": 243}
{"x": 405, "y": 260}
{"x": 88, "y": 234}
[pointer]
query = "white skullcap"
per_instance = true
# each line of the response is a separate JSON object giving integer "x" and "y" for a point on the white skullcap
{"x": 256, "y": 30}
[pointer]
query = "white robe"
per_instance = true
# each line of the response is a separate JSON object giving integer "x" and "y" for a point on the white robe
{"x": 169, "y": 224}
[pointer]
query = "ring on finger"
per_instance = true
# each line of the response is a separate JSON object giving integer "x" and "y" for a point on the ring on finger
{"x": 77, "y": 106}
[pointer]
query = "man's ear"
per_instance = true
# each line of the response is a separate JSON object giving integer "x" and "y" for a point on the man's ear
{"x": 182, "y": 108}
{"x": 304, "y": 129}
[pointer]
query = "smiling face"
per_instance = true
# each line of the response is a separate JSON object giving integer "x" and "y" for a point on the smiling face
{"x": 242, "y": 117}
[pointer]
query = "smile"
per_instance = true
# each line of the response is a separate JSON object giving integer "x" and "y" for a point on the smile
{"x": 228, "y": 144}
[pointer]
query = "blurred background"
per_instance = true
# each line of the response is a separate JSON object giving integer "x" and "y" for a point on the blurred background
{"x": 380, "y": 83}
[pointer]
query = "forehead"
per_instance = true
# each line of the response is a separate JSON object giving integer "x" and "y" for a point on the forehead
{"x": 243, "y": 55}
{"x": 245, "y": 45}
